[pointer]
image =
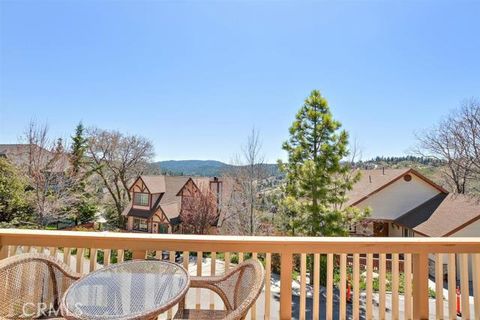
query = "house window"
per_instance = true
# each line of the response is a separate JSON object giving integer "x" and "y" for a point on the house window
{"x": 163, "y": 228}
{"x": 140, "y": 224}
{"x": 407, "y": 233}
{"x": 140, "y": 199}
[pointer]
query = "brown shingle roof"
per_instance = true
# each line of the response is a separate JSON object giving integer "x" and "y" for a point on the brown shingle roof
{"x": 173, "y": 185}
{"x": 139, "y": 213}
{"x": 442, "y": 215}
{"x": 155, "y": 184}
{"x": 171, "y": 210}
{"x": 169, "y": 201}
{"x": 372, "y": 181}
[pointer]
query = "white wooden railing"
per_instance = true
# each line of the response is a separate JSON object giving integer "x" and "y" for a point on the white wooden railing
{"x": 461, "y": 253}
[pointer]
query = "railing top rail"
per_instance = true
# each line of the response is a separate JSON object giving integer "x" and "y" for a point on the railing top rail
{"x": 206, "y": 243}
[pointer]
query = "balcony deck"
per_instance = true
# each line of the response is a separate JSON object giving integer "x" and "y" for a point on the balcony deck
{"x": 281, "y": 298}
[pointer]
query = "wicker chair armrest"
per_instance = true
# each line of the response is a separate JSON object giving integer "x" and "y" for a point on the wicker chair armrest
{"x": 67, "y": 271}
{"x": 209, "y": 283}
{"x": 204, "y": 282}
{"x": 73, "y": 275}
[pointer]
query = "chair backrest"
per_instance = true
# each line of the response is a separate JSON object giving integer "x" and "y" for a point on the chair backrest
{"x": 250, "y": 279}
{"x": 31, "y": 285}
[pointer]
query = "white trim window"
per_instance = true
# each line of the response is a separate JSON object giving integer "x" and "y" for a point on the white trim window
{"x": 407, "y": 233}
{"x": 140, "y": 199}
{"x": 140, "y": 224}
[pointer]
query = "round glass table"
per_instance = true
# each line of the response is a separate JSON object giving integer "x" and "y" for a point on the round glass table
{"x": 129, "y": 290}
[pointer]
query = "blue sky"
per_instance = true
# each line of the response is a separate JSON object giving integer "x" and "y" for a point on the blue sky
{"x": 194, "y": 76}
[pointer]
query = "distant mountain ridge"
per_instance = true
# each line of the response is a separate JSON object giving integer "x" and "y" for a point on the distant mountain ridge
{"x": 192, "y": 167}
{"x": 208, "y": 168}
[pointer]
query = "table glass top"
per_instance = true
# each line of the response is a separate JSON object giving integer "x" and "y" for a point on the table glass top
{"x": 126, "y": 290}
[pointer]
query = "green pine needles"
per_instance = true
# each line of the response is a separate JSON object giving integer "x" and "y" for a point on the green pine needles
{"x": 318, "y": 176}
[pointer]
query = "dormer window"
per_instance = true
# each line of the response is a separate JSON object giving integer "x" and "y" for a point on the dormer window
{"x": 140, "y": 199}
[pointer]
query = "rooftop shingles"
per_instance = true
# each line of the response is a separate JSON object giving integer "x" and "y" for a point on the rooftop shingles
{"x": 442, "y": 215}
{"x": 155, "y": 184}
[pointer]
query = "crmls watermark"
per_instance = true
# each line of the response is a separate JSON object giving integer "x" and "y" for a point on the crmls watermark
{"x": 31, "y": 309}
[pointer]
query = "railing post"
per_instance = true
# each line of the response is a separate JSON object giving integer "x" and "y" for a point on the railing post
{"x": 286, "y": 286}
{"x": 3, "y": 252}
{"x": 138, "y": 255}
{"x": 420, "y": 286}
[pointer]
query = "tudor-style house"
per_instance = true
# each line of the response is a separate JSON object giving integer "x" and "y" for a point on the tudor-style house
{"x": 157, "y": 201}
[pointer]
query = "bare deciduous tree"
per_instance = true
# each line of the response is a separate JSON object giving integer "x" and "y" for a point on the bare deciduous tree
{"x": 199, "y": 210}
{"x": 117, "y": 159}
{"x": 248, "y": 170}
{"x": 355, "y": 154}
{"x": 468, "y": 133}
{"x": 456, "y": 142}
{"x": 46, "y": 166}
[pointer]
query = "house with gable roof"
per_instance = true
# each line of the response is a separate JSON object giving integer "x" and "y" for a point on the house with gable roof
{"x": 157, "y": 201}
{"x": 405, "y": 203}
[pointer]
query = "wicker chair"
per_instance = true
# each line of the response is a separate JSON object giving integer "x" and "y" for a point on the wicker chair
{"x": 31, "y": 280}
{"x": 239, "y": 289}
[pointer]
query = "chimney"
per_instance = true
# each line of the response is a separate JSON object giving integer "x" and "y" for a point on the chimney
{"x": 370, "y": 178}
{"x": 216, "y": 187}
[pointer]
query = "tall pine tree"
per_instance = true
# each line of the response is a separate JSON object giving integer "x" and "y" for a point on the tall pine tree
{"x": 317, "y": 179}
{"x": 85, "y": 207}
{"x": 79, "y": 146}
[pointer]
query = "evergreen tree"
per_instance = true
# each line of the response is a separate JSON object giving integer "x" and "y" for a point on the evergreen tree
{"x": 85, "y": 207}
{"x": 316, "y": 178}
{"x": 79, "y": 146}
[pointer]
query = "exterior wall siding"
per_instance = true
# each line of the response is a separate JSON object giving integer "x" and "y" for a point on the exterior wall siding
{"x": 130, "y": 223}
{"x": 395, "y": 230}
{"x": 399, "y": 198}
